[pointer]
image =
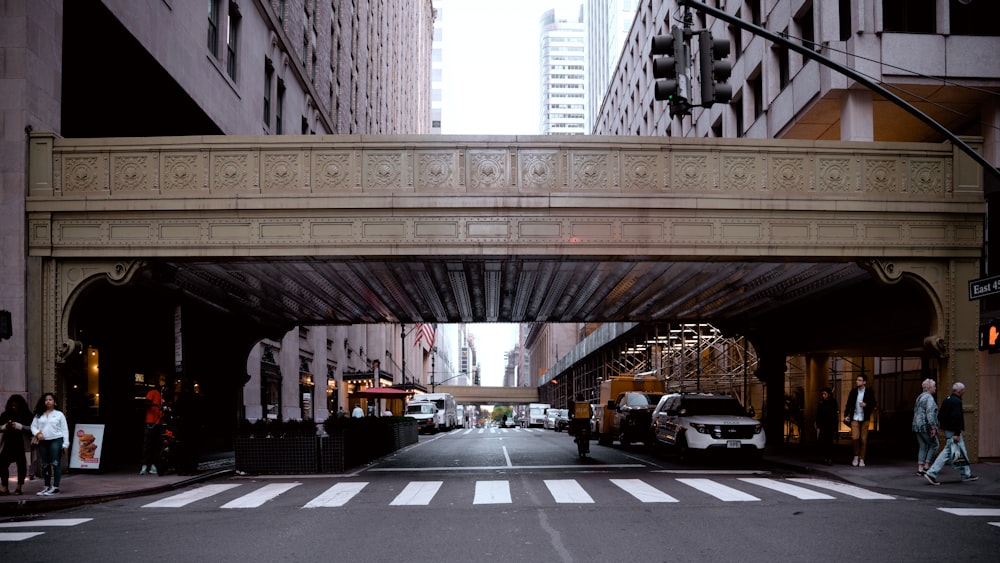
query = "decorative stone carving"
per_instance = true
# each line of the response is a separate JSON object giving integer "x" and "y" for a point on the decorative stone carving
{"x": 488, "y": 170}
{"x": 283, "y": 171}
{"x": 183, "y": 172}
{"x": 334, "y": 172}
{"x": 885, "y": 272}
{"x": 788, "y": 175}
{"x": 233, "y": 172}
{"x": 691, "y": 173}
{"x": 881, "y": 176}
{"x": 133, "y": 173}
{"x": 834, "y": 175}
{"x": 740, "y": 172}
{"x": 383, "y": 170}
{"x": 925, "y": 177}
{"x": 435, "y": 170}
{"x": 640, "y": 171}
{"x": 538, "y": 170}
{"x": 590, "y": 170}
{"x": 85, "y": 173}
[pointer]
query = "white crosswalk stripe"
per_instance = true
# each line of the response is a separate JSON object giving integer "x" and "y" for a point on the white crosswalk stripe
{"x": 987, "y": 512}
{"x": 187, "y": 497}
{"x": 492, "y": 492}
{"x": 337, "y": 495}
{"x": 260, "y": 496}
{"x": 843, "y": 488}
{"x": 562, "y": 491}
{"x": 568, "y": 491}
{"x": 21, "y": 536}
{"x": 718, "y": 490}
{"x": 787, "y": 488}
{"x": 643, "y": 491}
{"x": 417, "y": 493}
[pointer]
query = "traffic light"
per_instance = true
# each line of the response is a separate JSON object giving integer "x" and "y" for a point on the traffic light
{"x": 989, "y": 336}
{"x": 670, "y": 69}
{"x": 714, "y": 70}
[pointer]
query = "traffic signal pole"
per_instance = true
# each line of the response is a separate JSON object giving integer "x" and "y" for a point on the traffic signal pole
{"x": 847, "y": 71}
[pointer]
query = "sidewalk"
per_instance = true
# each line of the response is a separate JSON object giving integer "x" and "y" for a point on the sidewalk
{"x": 894, "y": 476}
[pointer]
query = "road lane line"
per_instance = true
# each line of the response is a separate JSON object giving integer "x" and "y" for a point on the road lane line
{"x": 187, "y": 497}
{"x": 506, "y": 456}
{"x": 718, "y": 490}
{"x": 972, "y": 511}
{"x": 18, "y": 536}
{"x": 568, "y": 491}
{"x": 787, "y": 488}
{"x": 492, "y": 492}
{"x": 260, "y": 496}
{"x": 45, "y": 523}
{"x": 642, "y": 490}
{"x": 843, "y": 488}
{"x": 417, "y": 493}
{"x": 337, "y": 495}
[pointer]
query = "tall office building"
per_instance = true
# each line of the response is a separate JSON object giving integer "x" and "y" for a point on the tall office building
{"x": 563, "y": 84}
{"x": 608, "y": 23}
{"x": 437, "y": 64}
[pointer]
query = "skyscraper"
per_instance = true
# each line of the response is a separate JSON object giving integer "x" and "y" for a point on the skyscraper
{"x": 563, "y": 82}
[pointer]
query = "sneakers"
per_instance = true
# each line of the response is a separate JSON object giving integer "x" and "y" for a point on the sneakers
{"x": 861, "y": 463}
{"x": 971, "y": 478}
{"x": 152, "y": 470}
{"x": 143, "y": 471}
{"x": 931, "y": 479}
{"x": 855, "y": 461}
{"x": 52, "y": 491}
{"x": 44, "y": 492}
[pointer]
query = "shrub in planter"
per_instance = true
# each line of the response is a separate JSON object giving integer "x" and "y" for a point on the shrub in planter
{"x": 276, "y": 447}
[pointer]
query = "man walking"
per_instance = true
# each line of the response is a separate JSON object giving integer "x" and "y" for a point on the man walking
{"x": 952, "y": 422}
{"x": 857, "y": 413}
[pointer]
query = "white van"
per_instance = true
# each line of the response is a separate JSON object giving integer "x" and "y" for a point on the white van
{"x": 447, "y": 415}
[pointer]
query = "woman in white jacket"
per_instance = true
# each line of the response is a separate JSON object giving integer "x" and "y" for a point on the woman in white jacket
{"x": 52, "y": 432}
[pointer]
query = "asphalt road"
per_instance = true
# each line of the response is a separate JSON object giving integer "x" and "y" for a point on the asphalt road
{"x": 518, "y": 496}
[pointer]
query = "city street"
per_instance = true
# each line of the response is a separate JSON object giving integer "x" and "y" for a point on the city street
{"x": 520, "y": 495}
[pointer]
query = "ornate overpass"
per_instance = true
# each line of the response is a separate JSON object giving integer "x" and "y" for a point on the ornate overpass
{"x": 748, "y": 235}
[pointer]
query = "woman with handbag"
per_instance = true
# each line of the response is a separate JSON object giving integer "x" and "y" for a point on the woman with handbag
{"x": 52, "y": 432}
{"x": 925, "y": 424}
{"x": 15, "y": 431}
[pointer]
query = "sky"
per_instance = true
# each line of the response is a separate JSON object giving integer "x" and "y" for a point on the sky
{"x": 490, "y": 69}
{"x": 490, "y": 79}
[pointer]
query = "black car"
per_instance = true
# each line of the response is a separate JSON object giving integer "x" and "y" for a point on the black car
{"x": 633, "y": 414}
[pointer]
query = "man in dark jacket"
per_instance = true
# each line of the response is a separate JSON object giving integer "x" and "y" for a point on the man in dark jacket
{"x": 952, "y": 422}
{"x": 857, "y": 414}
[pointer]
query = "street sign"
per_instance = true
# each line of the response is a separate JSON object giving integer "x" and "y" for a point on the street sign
{"x": 984, "y": 287}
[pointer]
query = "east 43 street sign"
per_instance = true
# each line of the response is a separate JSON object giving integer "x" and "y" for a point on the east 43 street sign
{"x": 984, "y": 287}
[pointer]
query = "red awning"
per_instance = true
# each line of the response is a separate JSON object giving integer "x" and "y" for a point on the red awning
{"x": 382, "y": 393}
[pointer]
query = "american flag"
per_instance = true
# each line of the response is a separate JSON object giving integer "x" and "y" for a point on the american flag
{"x": 426, "y": 332}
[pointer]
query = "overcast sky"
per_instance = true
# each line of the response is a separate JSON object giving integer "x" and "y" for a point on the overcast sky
{"x": 490, "y": 65}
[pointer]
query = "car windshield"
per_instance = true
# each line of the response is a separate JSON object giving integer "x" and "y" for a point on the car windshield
{"x": 423, "y": 408}
{"x": 695, "y": 406}
{"x": 642, "y": 399}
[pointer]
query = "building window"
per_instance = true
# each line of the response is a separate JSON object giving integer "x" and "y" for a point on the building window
{"x": 909, "y": 16}
{"x": 974, "y": 18}
{"x": 781, "y": 52}
{"x": 279, "y": 108}
{"x": 845, "y": 19}
{"x": 806, "y": 28}
{"x": 213, "y": 27}
{"x": 233, "y": 25}
{"x": 757, "y": 87}
{"x": 268, "y": 79}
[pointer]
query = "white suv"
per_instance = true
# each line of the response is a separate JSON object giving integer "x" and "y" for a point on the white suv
{"x": 706, "y": 422}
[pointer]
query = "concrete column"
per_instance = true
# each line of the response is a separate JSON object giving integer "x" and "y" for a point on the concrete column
{"x": 856, "y": 121}
{"x": 771, "y": 370}
{"x": 817, "y": 376}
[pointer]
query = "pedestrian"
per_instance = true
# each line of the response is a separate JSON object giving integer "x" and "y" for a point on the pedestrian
{"x": 341, "y": 413}
{"x": 925, "y": 423}
{"x": 952, "y": 423}
{"x": 51, "y": 431}
{"x": 15, "y": 436}
{"x": 357, "y": 412}
{"x": 152, "y": 430}
{"x": 826, "y": 424}
{"x": 857, "y": 414}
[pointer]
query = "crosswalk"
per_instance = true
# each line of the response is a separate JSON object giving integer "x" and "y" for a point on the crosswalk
{"x": 28, "y": 529}
{"x": 501, "y": 491}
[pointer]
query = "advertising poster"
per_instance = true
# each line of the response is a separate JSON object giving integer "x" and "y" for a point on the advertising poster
{"x": 86, "y": 450}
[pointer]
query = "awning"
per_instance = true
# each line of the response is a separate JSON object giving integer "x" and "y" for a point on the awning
{"x": 382, "y": 393}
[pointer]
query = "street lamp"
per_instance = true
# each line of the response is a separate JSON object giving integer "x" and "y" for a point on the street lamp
{"x": 434, "y": 351}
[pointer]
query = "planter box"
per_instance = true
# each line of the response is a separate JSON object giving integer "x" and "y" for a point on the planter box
{"x": 345, "y": 448}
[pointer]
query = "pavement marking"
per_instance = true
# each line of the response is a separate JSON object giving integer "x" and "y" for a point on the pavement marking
{"x": 714, "y": 471}
{"x": 187, "y": 497}
{"x": 44, "y": 523}
{"x": 506, "y": 455}
{"x": 492, "y": 492}
{"x": 495, "y": 467}
{"x": 718, "y": 490}
{"x": 417, "y": 493}
{"x": 642, "y": 490}
{"x": 568, "y": 491}
{"x": 843, "y": 488}
{"x": 972, "y": 511}
{"x": 787, "y": 488}
{"x": 337, "y": 495}
{"x": 260, "y": 496}
{"x": 18, "y": 536}
{"x": 995, "y": 524}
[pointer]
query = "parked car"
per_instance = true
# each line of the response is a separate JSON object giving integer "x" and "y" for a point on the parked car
{"x": 633, "y": 412}
{"x": 510, "y": 423}
{"x": 562, "y": 420}
{"x": 706, "y": 422}
{"x": 550, "y": 419}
